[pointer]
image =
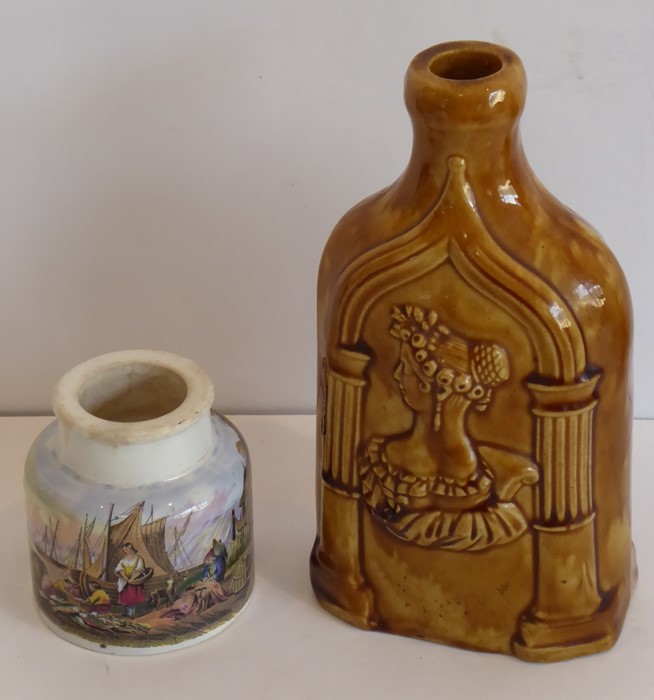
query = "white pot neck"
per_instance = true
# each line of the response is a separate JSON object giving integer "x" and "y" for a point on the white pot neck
{"x": 134, "y": 418}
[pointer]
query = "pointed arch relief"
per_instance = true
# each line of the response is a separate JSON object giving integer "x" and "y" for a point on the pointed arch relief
{"x": 457, "y": 375}
{"x": 466, "y": 242}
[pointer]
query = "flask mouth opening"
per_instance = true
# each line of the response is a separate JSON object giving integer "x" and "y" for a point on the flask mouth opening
{"x": 465, "y": 63}
{"x": 132, "y": 392}
{"x": 465, "y": 85}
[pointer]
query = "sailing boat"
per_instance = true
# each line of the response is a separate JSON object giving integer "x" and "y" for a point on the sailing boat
{"x": 148, "y": 539}
{"x": 49, "y": 547}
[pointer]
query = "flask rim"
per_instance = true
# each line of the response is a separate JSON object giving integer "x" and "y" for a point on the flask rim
{"x": 466, "y": 84}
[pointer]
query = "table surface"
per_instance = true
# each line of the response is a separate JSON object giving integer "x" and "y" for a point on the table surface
{"x": 284, "y": 645}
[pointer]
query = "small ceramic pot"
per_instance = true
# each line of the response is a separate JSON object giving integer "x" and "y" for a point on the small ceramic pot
{"x": 138, "y": 507}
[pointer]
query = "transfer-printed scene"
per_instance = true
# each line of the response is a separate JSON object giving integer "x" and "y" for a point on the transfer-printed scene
{"x": 133, "y": 574}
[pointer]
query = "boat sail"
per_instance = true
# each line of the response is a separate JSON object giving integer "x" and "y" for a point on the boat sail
{"x": 148, "y": 539}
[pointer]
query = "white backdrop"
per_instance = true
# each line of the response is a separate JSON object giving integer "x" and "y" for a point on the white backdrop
{"x": 171, "y": 170}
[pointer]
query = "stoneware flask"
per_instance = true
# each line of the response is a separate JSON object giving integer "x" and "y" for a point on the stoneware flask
{"x": 474, "y": 411}
{"x": 138, "y": 507}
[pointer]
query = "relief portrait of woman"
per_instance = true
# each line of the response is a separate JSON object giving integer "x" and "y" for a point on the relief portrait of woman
{"x": 432, "y": 484}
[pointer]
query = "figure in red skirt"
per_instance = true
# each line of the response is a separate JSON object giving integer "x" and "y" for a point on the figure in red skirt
{"x": 130, "y": 567}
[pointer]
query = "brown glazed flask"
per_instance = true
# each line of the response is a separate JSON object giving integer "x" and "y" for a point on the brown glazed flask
{"x": 474, "y": 408}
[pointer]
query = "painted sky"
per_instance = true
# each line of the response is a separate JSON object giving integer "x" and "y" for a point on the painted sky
{"x": 210, "y": 496}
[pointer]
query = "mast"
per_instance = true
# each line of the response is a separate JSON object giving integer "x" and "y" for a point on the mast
{"x": 80, "y": 540}
{"x": 173, "y": 552}
{"x": 73, "y": 557}
{"x": 105, "y": 554}
{"x": 177, "y": 552}
{"x": 53, "y": 544}
{"x": 86, "y": 556}
{"x": 78, "y": 551}
{"x": 181, "y": 534}
{"x": 88, "y": 529}
{"x": 92, "y": 559}
{"x": 77, "y": 559}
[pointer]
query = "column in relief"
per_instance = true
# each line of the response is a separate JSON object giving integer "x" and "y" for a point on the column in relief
{"x": 566, "y": 579}
{"x": 344, "y": 383}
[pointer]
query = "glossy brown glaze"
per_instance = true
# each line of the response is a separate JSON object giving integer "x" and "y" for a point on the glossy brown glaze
{"x": 474, "y": 408}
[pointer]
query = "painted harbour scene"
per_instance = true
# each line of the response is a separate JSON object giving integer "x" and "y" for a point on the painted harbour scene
{"x": 138, "y": 578}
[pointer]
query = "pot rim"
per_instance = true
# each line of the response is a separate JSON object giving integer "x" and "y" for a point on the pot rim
{"x": 68, "y": 396}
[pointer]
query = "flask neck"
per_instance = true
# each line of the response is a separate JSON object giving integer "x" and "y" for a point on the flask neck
{"x": 465, "y": 99}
